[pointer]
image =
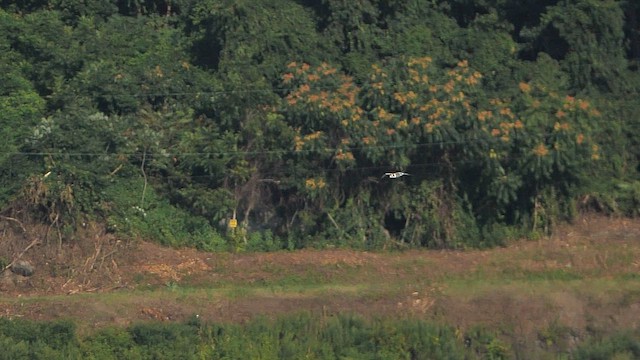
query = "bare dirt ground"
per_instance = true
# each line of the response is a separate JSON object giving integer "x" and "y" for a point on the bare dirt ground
{"x": 583, "y": 280}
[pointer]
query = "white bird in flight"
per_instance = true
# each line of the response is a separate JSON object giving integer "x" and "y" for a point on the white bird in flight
{"x": 395, "y": 175}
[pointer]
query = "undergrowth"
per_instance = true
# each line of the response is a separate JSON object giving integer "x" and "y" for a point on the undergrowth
{"x": 291, "y": 337}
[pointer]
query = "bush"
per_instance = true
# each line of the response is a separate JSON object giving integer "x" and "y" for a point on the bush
{"x": 621, "y": 346}
{"x": 156, "y": 219}
{"x": 301, "y": 335}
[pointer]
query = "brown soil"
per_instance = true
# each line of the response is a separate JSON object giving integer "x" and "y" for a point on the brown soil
{"x": 585, "y": 278}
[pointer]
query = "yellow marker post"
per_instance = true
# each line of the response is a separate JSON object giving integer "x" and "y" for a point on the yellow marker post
{"x": 233, "y": 223}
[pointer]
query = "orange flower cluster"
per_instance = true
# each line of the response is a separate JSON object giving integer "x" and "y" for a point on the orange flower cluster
{"x": 344, "y": 156}
{"x": 423, "y": 62}
{"x": 524, "y": 87}
{"x": 541, "y": 150}
{"x": 300, "y": 141}
{"x": 367, "y": 140}
{"x": 571, "y": 103}
{"x": 313, "y": 183}
{"x": 485, "y": 115}
{"x": 429, "y": 127}
{"x": 383, "y": 114}
{"x": 402, "y": 98}
{"x": 342, "y": 99}
{"x": 507, "y": 112}
{"x": 449, "y": 86}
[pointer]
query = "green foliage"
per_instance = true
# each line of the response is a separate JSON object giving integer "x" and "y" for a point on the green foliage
{"x": 33, "y": 340}
{"x": 284, "y": 114}
{"x": 620, "y": 346}
{"x": 293, "y": 336}
{"x": 169, "y": 341}
{"x": 591, "y": 34}
{"x": 264, "y": 241}
{"x": 155, "y": 218}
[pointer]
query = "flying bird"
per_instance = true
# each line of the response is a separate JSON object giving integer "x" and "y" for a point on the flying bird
{"x": 395, "y": 175}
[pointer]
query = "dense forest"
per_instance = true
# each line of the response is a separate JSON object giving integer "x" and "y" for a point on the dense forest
{"x": 170, "y": 119}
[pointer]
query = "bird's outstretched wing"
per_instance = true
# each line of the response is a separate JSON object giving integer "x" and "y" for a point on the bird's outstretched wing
{"x": 395, "y": 175}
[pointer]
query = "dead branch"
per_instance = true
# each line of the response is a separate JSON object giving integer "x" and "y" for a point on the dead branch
{"x": 144, "y": 174}
{"x": 32, "y": 244}
{"x": 115, "y": 170}
{"x": 105, "y": 256}
{"x": 14, "y": 220}
{"x": 334, "y": 222}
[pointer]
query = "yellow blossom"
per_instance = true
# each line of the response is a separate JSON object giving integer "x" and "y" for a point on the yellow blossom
{"x": 310, "y": 183}
{"x": 448, "y": 87}
{"x": 299, "y": 143}
{"x": 428, "y": 127}
{"x": 158, "y": 71}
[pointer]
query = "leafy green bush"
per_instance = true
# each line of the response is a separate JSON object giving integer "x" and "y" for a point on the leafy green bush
{"x": 38, "y": 340}
{"x": 301, "y": 335}
{"x": 156, "y": 219}
{"x": 621, "y": 346}
{"x": 57, "y": 334}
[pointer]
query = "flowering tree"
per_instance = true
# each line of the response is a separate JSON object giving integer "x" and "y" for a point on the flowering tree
{"x": 501, "y": 154}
